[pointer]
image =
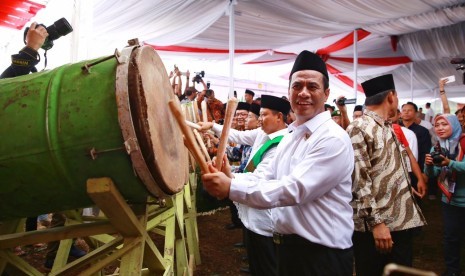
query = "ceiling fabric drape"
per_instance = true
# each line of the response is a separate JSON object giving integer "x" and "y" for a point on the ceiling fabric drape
{"x": 445, "y": 42}
{"x": 391, "y": 35}
{"x": 159, "y": 22}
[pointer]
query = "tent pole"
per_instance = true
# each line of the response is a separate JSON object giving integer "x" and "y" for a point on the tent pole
{"x": 231, "y": 47}
{"x": 411, "y": 81}
{"x": 355, "y": 63}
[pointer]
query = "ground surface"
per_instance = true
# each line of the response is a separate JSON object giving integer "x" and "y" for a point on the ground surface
{"x": 220, "y": 257}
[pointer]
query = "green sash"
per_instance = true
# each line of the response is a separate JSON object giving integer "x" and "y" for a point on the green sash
{"x": 257, "y": 158}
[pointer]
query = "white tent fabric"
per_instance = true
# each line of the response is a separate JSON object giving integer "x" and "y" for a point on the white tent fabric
{"x": 427, "y": 29}
{"x": 429, "y": 33}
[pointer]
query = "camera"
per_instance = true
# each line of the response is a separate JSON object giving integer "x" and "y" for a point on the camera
{"x": 58, "y": 29}
{"x": 198, "y": 76}
{"x": 344, "y": 101}
{"x": 436, "y": 155}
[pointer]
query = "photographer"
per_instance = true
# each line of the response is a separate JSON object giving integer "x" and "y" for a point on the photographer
{"x": 446, "y": 162}
{"x": 190, "y": 92}
{"x": 24, "y": 63}
{"x": 28, "y": 57}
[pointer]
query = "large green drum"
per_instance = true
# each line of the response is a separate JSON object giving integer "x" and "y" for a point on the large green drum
{"x": 102, "y": 118}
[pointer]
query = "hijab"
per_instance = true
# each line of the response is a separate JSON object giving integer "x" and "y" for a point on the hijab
{"x": 452, "y": 141}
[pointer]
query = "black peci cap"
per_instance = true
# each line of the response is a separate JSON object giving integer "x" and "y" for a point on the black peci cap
{"x": 309, "y": 61}
{"x": 243, "y": 106}
{"x": 358, "y": 108}
{"x": 250, "y": 92}
{"x": 379, "y": 84}
{"x": 276, "y": 103}
{"x": 255, "y": 109}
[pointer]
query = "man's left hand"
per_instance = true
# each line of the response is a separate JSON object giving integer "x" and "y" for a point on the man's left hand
{"x": 422, "y": 188}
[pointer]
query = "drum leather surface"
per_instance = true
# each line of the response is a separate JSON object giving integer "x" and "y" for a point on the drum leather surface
{"x": 158, "y": 134}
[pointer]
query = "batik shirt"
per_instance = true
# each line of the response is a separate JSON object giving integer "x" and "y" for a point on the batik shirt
{"x": 381, "y": 189}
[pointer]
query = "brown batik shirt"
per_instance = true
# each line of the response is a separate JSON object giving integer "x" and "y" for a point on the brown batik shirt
{"x": 381, "y": 187}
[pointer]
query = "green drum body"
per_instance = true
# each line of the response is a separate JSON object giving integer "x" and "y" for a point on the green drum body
{"x": 101, "y": 118}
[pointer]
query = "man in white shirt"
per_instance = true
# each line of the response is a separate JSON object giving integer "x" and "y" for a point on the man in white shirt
{"x": 258, "y": 223}
{"x": 429, "y": 115}
{"x": 308, "y": 183}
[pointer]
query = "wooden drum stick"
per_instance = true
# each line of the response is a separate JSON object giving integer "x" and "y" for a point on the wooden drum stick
{"x": 202, "y": 145}
{"x": 228, "y": 116}
{"x": 190, "y": 141}
{"x": 192, "y": 125}
{"x": 196, "y": 111}
{"x": 205, "y": 119}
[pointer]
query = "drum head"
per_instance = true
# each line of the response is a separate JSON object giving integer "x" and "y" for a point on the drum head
{"x": 159, "y": 136}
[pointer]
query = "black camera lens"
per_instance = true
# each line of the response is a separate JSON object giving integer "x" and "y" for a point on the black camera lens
{"x": 58, "y": 29}
{"x": 437, "y": 160}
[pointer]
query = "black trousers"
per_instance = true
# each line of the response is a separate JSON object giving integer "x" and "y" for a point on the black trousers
{"x": 234, "y": 213}
{"x": 31, "y": 224}
{"x": 261, "y": 254}
{"x": 298, "y": 256}
{"x": 369, "y": 262}
{"x": 454, "y": 235}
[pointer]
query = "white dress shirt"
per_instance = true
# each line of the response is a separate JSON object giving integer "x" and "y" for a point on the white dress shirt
{"x": 256, "y": 220}
{"x": 429, "y": 115}
{"x": 308, "y": 183}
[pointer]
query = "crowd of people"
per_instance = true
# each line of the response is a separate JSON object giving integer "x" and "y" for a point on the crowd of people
{"x": 316, "y": 192}
{"x": 302, "y": 218}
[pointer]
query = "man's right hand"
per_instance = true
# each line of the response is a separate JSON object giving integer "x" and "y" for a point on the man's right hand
{"x": 383, "y": 239}
{"x": 216, "y": 183}
{"x": 342, "y": 108}
{"x": 35, "y": 37}
{"x": 442, "y": 83}
{"x": 204, "y": 126}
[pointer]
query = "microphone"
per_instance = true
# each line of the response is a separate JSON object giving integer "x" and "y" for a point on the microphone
{"x": 457, "y": 61}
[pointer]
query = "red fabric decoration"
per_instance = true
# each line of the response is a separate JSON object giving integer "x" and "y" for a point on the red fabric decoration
{"x": 344, "y": 79}
{"x": 386, "y": 61}
{"x": 17, "y": 13}
{"x": 202, "y": 50}
{"x": 345, "y": 42}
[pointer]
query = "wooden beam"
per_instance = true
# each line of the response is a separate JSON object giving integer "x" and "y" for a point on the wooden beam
{"x": 104, "y": 193}
{"x": 131, "y": 263}
{"x": 129, "y": 244}
{"x": 19, "y": 263}
{"x": 90, "y": 257}
{"x": 58, "y": 233}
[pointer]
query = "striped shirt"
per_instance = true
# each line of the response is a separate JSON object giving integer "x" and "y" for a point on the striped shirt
{"x": 381, "y": 186}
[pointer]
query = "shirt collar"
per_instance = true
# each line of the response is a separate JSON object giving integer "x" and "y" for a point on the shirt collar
{"x": 313, "y": 124}
{"x": 378, "y": 119}
{"x": 277, "y": 133}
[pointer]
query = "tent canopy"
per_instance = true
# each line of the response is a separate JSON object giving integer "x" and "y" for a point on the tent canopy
{"x": 414, "y": 39}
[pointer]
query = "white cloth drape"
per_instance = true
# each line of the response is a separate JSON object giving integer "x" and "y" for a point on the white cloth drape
{"x": 157, "y": 22}
{"x": 435, "y": 43}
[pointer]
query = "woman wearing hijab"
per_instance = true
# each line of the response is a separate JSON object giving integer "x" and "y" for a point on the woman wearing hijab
{"x": 446, "y": 162}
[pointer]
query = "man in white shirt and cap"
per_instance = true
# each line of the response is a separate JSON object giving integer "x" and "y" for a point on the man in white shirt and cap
{"x": 264, "y": 140}
{"x": 307, "y": 184}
